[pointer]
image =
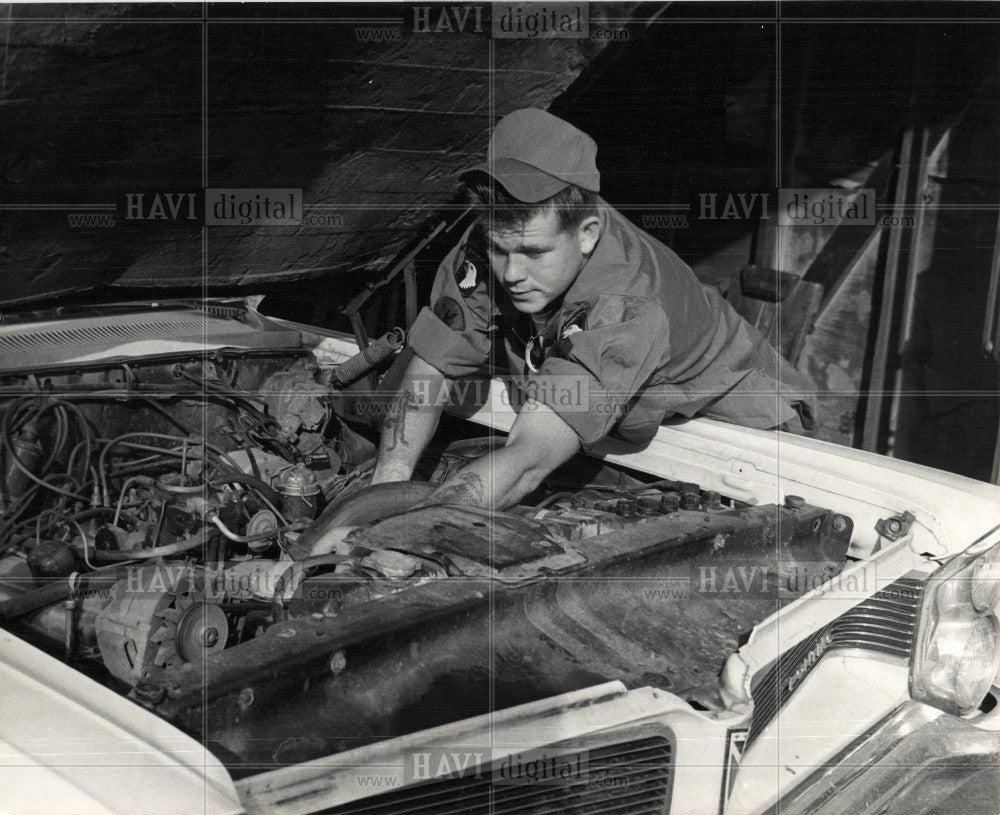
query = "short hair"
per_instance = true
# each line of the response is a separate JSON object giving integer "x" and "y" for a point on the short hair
{"x": 572, "y": 204}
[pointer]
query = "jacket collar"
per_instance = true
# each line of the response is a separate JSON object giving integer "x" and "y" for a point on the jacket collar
{"x": 605, "y": 267}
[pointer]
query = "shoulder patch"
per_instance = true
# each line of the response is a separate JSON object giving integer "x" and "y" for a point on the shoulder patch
{"x": 473, "y": 267}
{"x": 449, "y": 312}
{"x": 467, "y": 276}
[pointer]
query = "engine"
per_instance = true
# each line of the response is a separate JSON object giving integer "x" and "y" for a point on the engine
{"x": 148, "y": 512}
{"x": 144, "y": 500}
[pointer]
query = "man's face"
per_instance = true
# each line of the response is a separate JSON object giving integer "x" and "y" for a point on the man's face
{"x": 538, "y": 261}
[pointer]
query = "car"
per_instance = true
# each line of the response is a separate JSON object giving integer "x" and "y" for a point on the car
{"x": 727, "y": 621}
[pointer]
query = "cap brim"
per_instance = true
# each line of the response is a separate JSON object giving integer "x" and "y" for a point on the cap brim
{"x": 524, "y": 182}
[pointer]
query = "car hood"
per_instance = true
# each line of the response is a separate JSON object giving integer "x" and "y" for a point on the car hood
{"x": 84, "y": 211}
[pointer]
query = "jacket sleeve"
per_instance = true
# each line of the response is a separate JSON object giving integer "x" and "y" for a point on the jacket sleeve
{"x": 453, "y": 332}
{"x": 596, "y": 373}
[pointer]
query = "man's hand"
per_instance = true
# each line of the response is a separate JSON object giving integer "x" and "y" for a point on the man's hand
{"x": 410, "y": 422}
{"x": 538, "y": 442}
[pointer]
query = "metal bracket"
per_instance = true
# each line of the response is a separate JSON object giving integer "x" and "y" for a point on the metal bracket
{"x": 895, "y": 527}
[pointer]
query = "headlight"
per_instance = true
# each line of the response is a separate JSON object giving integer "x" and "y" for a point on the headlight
{"x": 986, "y": 581}
{"x": 958, "y": 640}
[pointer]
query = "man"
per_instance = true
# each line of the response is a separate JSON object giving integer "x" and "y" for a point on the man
{"x": 574, "y": 294}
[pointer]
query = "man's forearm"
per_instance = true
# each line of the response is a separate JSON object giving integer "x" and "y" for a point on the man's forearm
{"x": 410, "y": 422}
{"x": 539, "y": 442}
{"x": 494, "y": 481}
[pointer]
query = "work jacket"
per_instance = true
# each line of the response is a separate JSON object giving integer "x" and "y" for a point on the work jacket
{"x": 635, "y": 340}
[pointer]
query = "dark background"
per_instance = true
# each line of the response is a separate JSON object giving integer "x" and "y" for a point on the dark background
{"x": 694, "y": 99}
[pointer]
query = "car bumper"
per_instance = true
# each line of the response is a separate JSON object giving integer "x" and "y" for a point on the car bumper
{"x": 916, "y": 760}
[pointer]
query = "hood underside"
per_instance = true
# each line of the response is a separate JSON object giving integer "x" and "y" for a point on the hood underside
{"x": 114, "y": 136}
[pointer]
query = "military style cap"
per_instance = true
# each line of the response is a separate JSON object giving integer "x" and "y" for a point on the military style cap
{"x": 534, "y": 155}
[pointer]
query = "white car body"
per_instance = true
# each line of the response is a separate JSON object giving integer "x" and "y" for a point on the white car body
{"x": 69, "y": 744}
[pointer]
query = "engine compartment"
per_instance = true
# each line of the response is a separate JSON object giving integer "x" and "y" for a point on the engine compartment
{"x": 149, "y": 512}
{"x": 192, "y": 464}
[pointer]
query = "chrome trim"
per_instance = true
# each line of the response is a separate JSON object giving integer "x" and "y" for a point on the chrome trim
{"x": 913, "y": 746}
{"x": 885, "y": 623}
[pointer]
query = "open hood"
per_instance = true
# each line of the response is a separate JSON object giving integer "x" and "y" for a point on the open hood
{"x": 369, "y": 135}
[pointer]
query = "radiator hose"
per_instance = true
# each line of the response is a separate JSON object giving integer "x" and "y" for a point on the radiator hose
{"x": 57, "y": 590}
{"x": 367, "y": 505}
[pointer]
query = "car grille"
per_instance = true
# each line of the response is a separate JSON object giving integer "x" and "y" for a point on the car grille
{"x": 627, "y": 778}
{"x": 886, "y": 622}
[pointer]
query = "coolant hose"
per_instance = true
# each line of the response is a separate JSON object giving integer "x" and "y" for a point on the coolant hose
{"x": 46, "y": 595}
{"x": 367, "y": 505}
{"x": 168, "y": 550}
{"x": 364, "y": 361}
{"x": 56, "y": 591}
